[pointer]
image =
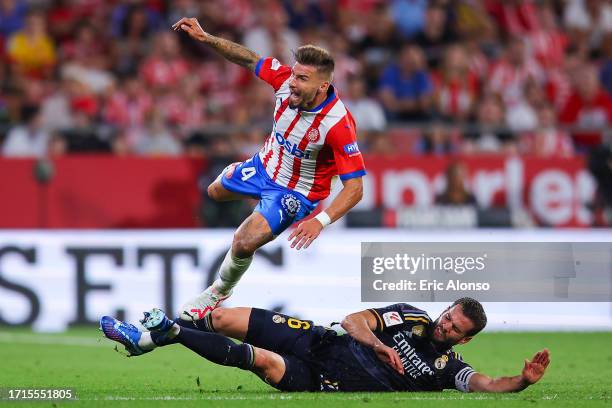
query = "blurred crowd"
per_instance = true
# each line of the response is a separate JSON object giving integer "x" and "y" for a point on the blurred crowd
{"x": 424, "y": 77}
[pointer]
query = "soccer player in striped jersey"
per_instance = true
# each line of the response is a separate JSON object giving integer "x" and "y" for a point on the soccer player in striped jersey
{"x": 396, "y": 348}
{"x": 313, "y": 140}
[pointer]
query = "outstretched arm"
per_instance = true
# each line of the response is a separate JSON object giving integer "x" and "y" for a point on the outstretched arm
{"x": 349, "y": 196}
{"x": 230, "y": 50}
{"x": 532, "y": 373}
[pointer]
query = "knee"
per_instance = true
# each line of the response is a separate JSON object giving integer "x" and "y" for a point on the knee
{"x": 213, "y": 191}
{"x": 270, "y": 367}
{"x": 242, "y": 246}
{"x": 218, "y": 319}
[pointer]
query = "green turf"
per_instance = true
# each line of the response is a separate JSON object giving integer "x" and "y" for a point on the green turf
{"x": 580, "y": 374}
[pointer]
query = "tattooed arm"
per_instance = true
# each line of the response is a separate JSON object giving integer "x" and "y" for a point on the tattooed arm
{"x": 231, "y": 51}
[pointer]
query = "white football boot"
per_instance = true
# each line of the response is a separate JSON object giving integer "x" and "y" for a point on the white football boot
{"x": 202, "y": 305}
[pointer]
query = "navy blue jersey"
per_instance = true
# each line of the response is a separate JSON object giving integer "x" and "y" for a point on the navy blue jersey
{"x": 407, "y": 330}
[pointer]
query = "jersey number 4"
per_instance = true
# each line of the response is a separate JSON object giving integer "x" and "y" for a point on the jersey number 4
{"x": 247, "y": 173}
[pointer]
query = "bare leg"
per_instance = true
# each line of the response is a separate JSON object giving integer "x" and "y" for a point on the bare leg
{"x": 252, "y": 234}
{"x": 269, "y": 366}
{"x": 231, "y": 322}
{"x": 217, "y": 192}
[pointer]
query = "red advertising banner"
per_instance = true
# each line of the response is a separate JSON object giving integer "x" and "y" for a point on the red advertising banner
{"x": 112, "y": 192}
{"x": 556, "y": 192}
{"x": 101, "y": 192}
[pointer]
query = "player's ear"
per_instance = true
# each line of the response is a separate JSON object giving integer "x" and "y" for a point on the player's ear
{"x": 324, "y": 86}
{"x": 465, "y": 339}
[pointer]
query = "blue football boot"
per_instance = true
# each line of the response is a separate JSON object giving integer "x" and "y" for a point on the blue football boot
{"x": 124, "y": 333}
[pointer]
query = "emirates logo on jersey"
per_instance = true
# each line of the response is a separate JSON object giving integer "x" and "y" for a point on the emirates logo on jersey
{"x": 313, "y": 135}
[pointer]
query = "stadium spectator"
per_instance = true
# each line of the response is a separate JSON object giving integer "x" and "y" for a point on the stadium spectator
{"x": 27, "y": 139}
{"x": 438, "y": 139}
{"x": 133, "y": 43}
{"x": 588, "y": 110}
{"x": 514, "y": 17}
{"x": 56, "y": 109}
{"x": 409, "y": 16}
{"x": 589, "y": 23}
{"x": 547, "y": 42}
{"x": 272, "y": 36}
{"x": 378, "y": 45}
{"x": 522, "y": 116}
{"x": 125, "y": 14}
{"x": 489, "y": 133}
{"x": 455, "y": 192}
{"x": 456, "y": 86}
{"x": 156, "y": 139}
{"x": 406, "y": 88}
{"x": 128, "y": 106}
{"x": 472, "y": 20}
{"x": 12, "y": 15}
{"x": 303, "y": 14}
{"x": 31, "y": 49}
{"x": 165, "y": 66}
{"x": 184, "y": 109}
{"x": 367, "y": 112}
{"x": 436, "y": 34}
{"x": 547, "y": 140}
{"x": 509, "y": 75}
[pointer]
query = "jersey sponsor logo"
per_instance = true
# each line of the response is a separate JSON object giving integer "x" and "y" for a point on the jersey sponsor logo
{"x": 291, "y": 204}
{"x": 292, "y": 148}
{"x": 313, "y": 135}
{"x": 413, "y": 365}
{"x": 352, "y": 149}
{"x": 392, "y": 319}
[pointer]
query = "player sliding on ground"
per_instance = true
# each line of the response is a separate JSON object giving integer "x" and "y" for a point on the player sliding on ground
{"x": 397, "y": 348}
{"x": 313, "y": 139}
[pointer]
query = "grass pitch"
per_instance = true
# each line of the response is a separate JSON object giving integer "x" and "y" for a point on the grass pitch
{"x": 580, "y": 374}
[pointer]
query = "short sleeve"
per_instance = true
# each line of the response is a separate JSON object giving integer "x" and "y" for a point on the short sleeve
{"x": 272, "y": 71}
{"x": 397, "y": 314}
{"x": 342, "y": 139}
{"x": 457, "y": 374}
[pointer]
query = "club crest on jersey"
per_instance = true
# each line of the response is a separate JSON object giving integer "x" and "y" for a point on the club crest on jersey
{"x": 440, "y": 362}
{"x": 313, "y": 135}
{"x": 392, "y": 318}
{"x": 291, "y": 204}
{"x": 351, "y": 149}
{"x": 278, "y": 319}
{"x": 418, "y": 330}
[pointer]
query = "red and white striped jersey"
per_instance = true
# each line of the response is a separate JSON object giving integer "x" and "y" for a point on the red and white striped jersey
{"x": 307, "y": 148}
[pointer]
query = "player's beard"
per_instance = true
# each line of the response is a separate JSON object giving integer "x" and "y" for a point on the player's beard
{"x": 440, "y": 344}
{"x": 304, "y": 100}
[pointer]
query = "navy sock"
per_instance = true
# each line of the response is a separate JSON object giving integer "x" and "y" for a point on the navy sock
{"x": 160, "y": 338}
{"x": 217, "y": 348}
{"x": 204, "y": 324}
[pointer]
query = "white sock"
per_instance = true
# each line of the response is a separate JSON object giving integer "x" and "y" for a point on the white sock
{"x": 146, "y": 342}
{"x": 230, "y": 272}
